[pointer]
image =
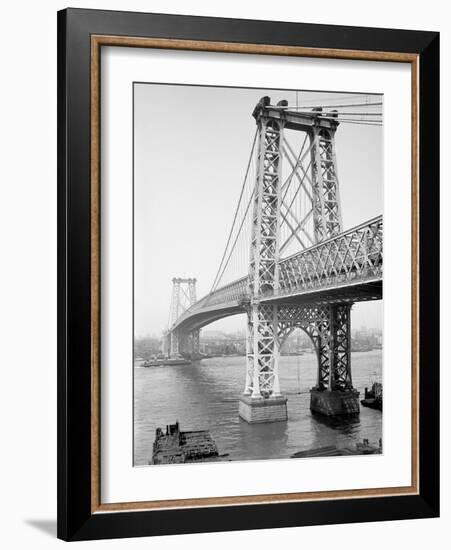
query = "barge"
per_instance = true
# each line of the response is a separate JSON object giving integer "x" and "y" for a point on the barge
{"x": 177, "y": 447}
{"x": 166, "y": 362}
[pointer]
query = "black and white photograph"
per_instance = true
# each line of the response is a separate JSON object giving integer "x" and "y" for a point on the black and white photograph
{"x": 225, "y": 299}
{"x": 258, "y": 264}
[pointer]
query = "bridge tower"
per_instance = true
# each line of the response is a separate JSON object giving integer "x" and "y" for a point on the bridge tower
{"x": 327, "y": 220}
{"x": 262, "y": 401}
{"x": 178, "y": 343}
{"x": 269, "y": 324}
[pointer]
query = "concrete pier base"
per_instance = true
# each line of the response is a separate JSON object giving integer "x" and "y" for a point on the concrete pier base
{"x": 334, "y": 403}
{"x": 272, "y": 409}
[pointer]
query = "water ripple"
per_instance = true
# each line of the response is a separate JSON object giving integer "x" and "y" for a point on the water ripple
{"x": 204, "y": 396}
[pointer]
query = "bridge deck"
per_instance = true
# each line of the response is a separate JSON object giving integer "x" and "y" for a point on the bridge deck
{"x": 345, "y": 268}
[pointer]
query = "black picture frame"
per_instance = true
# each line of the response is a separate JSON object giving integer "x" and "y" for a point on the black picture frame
{"x": 76, "y": 519}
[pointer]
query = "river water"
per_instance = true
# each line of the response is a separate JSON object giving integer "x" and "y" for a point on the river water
{"x": 204, "y": 396}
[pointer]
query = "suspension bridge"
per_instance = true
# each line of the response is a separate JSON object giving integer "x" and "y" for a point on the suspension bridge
{"x": 288, "y": 262}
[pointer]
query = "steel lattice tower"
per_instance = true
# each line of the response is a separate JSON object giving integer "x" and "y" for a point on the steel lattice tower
{"x": 269, "y": 325}
{"x": 261, "y": 373}
{"x": 327, "y": 219}
{"x": 182, "y": 343}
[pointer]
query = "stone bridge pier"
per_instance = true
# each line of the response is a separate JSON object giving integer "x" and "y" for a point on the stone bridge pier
{"x": 183, "y": 344}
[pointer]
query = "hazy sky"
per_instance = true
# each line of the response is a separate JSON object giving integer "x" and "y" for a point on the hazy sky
{"x": 191, "y": 148}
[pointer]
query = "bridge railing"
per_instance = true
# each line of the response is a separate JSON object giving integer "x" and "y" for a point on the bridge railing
{"x": 355, "y": 254}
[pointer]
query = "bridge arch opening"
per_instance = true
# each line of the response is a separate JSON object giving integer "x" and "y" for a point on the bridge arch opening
{"x": 299, "y": 340}
{"x": 224, "y": 336}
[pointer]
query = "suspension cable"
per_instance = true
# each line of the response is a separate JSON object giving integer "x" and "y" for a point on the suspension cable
{"x": 299, "y": 160}
{"x": 237, "y": 209}
{"x": 236, "y": 238}
{"x": 304, "y": 107}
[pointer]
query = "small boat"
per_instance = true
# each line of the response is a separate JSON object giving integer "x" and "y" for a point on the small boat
{"x": 166, "y": 361}
{"x": 373, "y": 397}
{"x": 365, "y": 448}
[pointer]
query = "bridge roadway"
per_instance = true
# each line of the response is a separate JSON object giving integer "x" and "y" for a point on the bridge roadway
{"x": 344, "y": 268}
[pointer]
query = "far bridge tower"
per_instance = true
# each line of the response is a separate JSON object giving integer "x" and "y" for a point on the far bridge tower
{"x": 177, "y": 343}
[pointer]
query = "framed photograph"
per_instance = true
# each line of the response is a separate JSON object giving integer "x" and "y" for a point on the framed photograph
{"x": 248, "y": 274}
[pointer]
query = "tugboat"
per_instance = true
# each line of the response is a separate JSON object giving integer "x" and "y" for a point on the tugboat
{"x": 373, "y": 397}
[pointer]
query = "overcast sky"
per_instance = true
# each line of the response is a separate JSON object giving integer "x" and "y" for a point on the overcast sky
{"x": 191, "y": 148}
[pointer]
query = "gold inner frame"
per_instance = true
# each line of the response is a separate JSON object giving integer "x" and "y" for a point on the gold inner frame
{"x": 97, "y": 41}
